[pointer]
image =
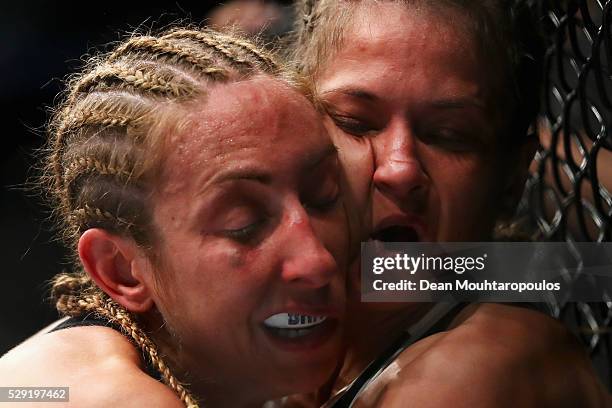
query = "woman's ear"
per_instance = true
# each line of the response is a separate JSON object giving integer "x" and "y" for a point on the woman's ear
{"x": 518, "y": 163}
{"x": 116, "y": 265}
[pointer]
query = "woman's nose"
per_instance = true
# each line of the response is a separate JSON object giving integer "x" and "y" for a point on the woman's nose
{"x": 399, "y": 173}
{"x": 308, "y": 262}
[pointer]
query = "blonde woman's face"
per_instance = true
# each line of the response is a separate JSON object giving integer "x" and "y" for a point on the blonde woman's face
{"x": 254, "y": 237}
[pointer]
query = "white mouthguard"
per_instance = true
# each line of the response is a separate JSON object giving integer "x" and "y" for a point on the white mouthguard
{"x": 293, "y": 321}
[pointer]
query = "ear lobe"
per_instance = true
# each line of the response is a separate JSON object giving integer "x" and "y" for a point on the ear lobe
{"x": 115, "y": 265}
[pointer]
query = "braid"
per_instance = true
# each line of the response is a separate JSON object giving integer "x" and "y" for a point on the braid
{"x": 116, "y": 314}
{"x": 220, "y": 42}
{"x": 64, "y": 286}
{"x": 260, "y": 56}
{"x": 55, "y": 161}
{"x": 100, "y": 304}
{"x": 119, "y": 93}
{"x": 84, "y": 165}
{"x": 100, "y": 113}
{"x": 87, "y": 214}
{"x": 107, "y": 144}
{"x": 162, "y": 47}
{"x": 136, "y": 78}
{"x": 206, "y": 39}
{"x": 306, "y": 14}
{"x": 318, "y": 30}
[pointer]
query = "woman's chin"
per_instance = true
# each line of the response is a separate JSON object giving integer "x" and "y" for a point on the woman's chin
{"x": 305, "y": 363}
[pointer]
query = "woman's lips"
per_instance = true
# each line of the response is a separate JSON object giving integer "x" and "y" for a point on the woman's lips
{"x": 400, "y": 228}
{"x": 397, "y": 233}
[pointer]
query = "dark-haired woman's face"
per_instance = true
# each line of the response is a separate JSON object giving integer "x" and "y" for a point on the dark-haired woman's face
{"x": 405, "y": 95}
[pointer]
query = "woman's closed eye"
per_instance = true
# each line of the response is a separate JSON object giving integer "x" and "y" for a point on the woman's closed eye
{"x": 241, "y": 224}
{"x": 451, "y": 140}
{"x": 322, "y": 192}
{"x": 245, "y": 233}
{"x": 352, "y": 125}
{"x": 324, "y": 203}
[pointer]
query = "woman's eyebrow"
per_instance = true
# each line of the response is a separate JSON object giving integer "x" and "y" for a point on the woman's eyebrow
{"x": 352, "y": 92}
{"x": 244, "y": 174}
{"x": 262, "y": 176}
{"x": 240, "y": 173}
{"x": 458, "y": 103}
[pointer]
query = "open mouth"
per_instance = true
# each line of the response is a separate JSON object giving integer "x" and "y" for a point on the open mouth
{"x": 396, "y": 233}
{"x": 292, "y": 326}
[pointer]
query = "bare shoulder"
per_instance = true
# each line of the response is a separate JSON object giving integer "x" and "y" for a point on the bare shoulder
{"x": 133, "y": 389}
{"x": 100, "y": 367}
{"x": 492, "y": 356}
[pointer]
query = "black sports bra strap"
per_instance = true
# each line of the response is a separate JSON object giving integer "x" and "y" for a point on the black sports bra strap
{"x": 84, "y": 320}
{"x": 93, "y": 320}
{"x": 441, "y": 314}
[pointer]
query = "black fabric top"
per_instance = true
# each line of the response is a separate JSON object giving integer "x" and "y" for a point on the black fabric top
{"x": 348, "y": 396}
{"x": 439, "y": 322}
{"x": 92, "y": 320}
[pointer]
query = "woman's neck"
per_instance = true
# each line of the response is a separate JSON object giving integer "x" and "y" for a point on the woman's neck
{"x": 371, "y": 329}
{"x": 210, "y": 390}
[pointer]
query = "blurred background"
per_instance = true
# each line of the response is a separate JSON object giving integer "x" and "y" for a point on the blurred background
{"x": 40, "y": 43}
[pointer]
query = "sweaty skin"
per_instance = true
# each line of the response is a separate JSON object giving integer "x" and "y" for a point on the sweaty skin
{"x": 102, "y": 376}
{"x": 416, "y": 131}
{"x": 251, "y": 225}
{"x": 484, "y": 360}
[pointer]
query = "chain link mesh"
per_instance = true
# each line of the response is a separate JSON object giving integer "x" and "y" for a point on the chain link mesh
{"x": 568, "y": 193}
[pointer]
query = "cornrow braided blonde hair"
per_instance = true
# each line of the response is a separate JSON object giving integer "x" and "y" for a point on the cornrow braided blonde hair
{"x": 105, "y": 149}
{"x": 161, "y": 47}
{"x": 137, "y": 78}
{"x": 224, "y": 43}
{"x": 100, "y": 305}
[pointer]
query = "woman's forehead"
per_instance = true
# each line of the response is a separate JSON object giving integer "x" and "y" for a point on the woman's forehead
{"x": 393, "y": 51}
{"x": 375, "y": 26}
{"x": 255, "y": 111}
{"x": 259, "y": 120}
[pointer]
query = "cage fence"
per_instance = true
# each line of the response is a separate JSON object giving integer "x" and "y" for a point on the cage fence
{"x": 568, "y": 192}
